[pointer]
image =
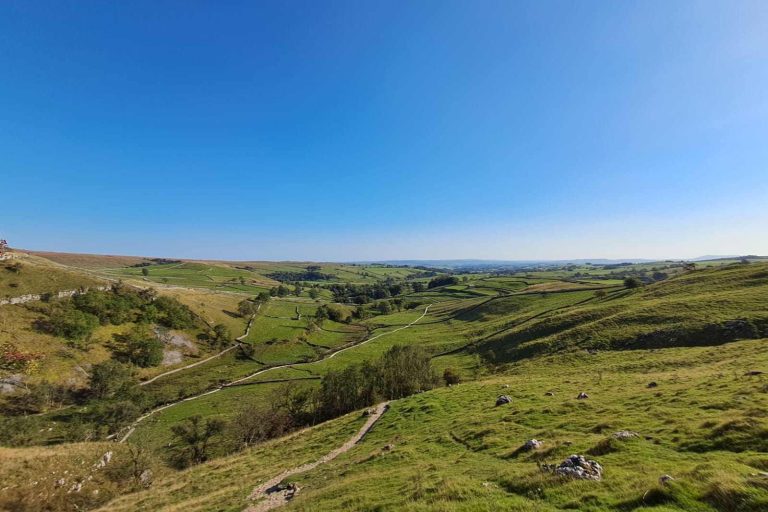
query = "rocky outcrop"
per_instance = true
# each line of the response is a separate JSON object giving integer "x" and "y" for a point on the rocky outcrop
{"x": 21, "y": 299}
{"x": 578, "y": 467}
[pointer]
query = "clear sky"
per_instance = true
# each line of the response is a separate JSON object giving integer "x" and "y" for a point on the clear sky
{"x": 383, "y": 130}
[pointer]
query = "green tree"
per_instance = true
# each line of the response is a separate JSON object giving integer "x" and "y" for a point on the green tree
{"x": 110, "y": 378}
{"x": 221, "y": 334}
{"x": 314, "y": 292}
{"x": 194, "y": 437}
{"x": 145, "y": 271}
{"x": 72, "y": 323}
{"x": 174, "y": 314}
{"x": 142, "y": 347}
{"x": 632, "y": 282}
{"x": 246, "y": 308}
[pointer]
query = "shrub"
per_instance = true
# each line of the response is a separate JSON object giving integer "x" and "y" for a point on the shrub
{"x": 71, "y": 323}
{"x": 174, "y": 314}
{"x": 141, "y": 346}
{"x": 194, "y": 438}
{"x": 110, "y": 378}
{"x": 451, "y": 377}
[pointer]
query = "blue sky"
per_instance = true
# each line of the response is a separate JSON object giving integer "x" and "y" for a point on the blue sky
{"x": 382, "y": 130}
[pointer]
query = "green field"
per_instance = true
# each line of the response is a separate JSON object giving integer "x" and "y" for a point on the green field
{"x": 696, "y": 334}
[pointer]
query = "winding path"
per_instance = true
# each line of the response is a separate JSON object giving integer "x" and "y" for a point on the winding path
{"x": 271, "y": 368}
{"x": 276, "y": 497}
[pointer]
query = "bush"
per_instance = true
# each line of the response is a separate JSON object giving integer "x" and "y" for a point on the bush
{"x": 174, "y": 314}
{"x": 141, "y": 346}
{"x": 443, "y": 281}
{"x": 110, "y": 378}
{"x": 632, "y": 282}
{"x": 72, "y": 324}
{"x": 193, "y": 439}
{"x": 451, "y": 377}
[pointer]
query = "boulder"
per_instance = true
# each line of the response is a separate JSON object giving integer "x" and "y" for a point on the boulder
{"x": 532, "y": 444}
{"x": 549, "y": 393}
{"x": 503, "y": 399}
{"x": 652, "y": 385}
{"x": 579, "y": 467}
{"x": 145, "y": 478}
{"x": 625, "y": 434}
{"x": 582, "y": 396}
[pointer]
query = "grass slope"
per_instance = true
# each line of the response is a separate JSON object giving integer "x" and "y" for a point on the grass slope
{"x": 705, "y": 424}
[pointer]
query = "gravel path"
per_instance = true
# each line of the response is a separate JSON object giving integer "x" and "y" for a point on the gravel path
{"x": 272, "y": 497}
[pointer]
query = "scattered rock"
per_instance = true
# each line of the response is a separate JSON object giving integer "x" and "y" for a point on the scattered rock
{"x": 549, "y": 393}
{"x": 664, "y": 479}
{"x": 582, "y": 396}
{"x": 145, "y": 478}
{"x": 503, "y": 399}
{"x": 532, "y": 444}
{"x": 652, "y": 385}
{"x": 625, "y": 434}
{"x": 11, "y": 383}
{"x": 105, "y": 459}
{"x": 171, "y": 357}
{"x": 60, "y": 482}
{"x": 577, "y": 466}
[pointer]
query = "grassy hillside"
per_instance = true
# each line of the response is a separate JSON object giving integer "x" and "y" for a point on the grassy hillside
{"x": 28, "y": 274}
{"x": 704, "y": 424}
{"x": 704, "y": 307}
{"x": 696, "y": 334}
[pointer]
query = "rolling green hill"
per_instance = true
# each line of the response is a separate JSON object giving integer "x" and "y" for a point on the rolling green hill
{"x": 677, "y": 362}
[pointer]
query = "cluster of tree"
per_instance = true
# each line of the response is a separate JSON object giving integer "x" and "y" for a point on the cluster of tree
{"x": 401, "y": 371}
{"x": 156, "y": 261}
{"x": 113, "y": 398}
{"x": 248, "y": 307}
{"x": 76, "y": 318}
{"x": 331, "y": 312}
{"x": 365, "y": 293}
{"x": 140, "y": 346}
{"x": 444, "y": 280}
{"x": 279, "y": 291}
{"x": 312, "y": 273}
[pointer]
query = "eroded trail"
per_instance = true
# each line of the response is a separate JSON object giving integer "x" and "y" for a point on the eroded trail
{"x": 272, "y": 496}
{"x": 133, "y": 426}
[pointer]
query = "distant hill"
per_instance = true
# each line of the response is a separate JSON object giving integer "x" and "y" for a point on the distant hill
{"x": 479, "y": 263}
